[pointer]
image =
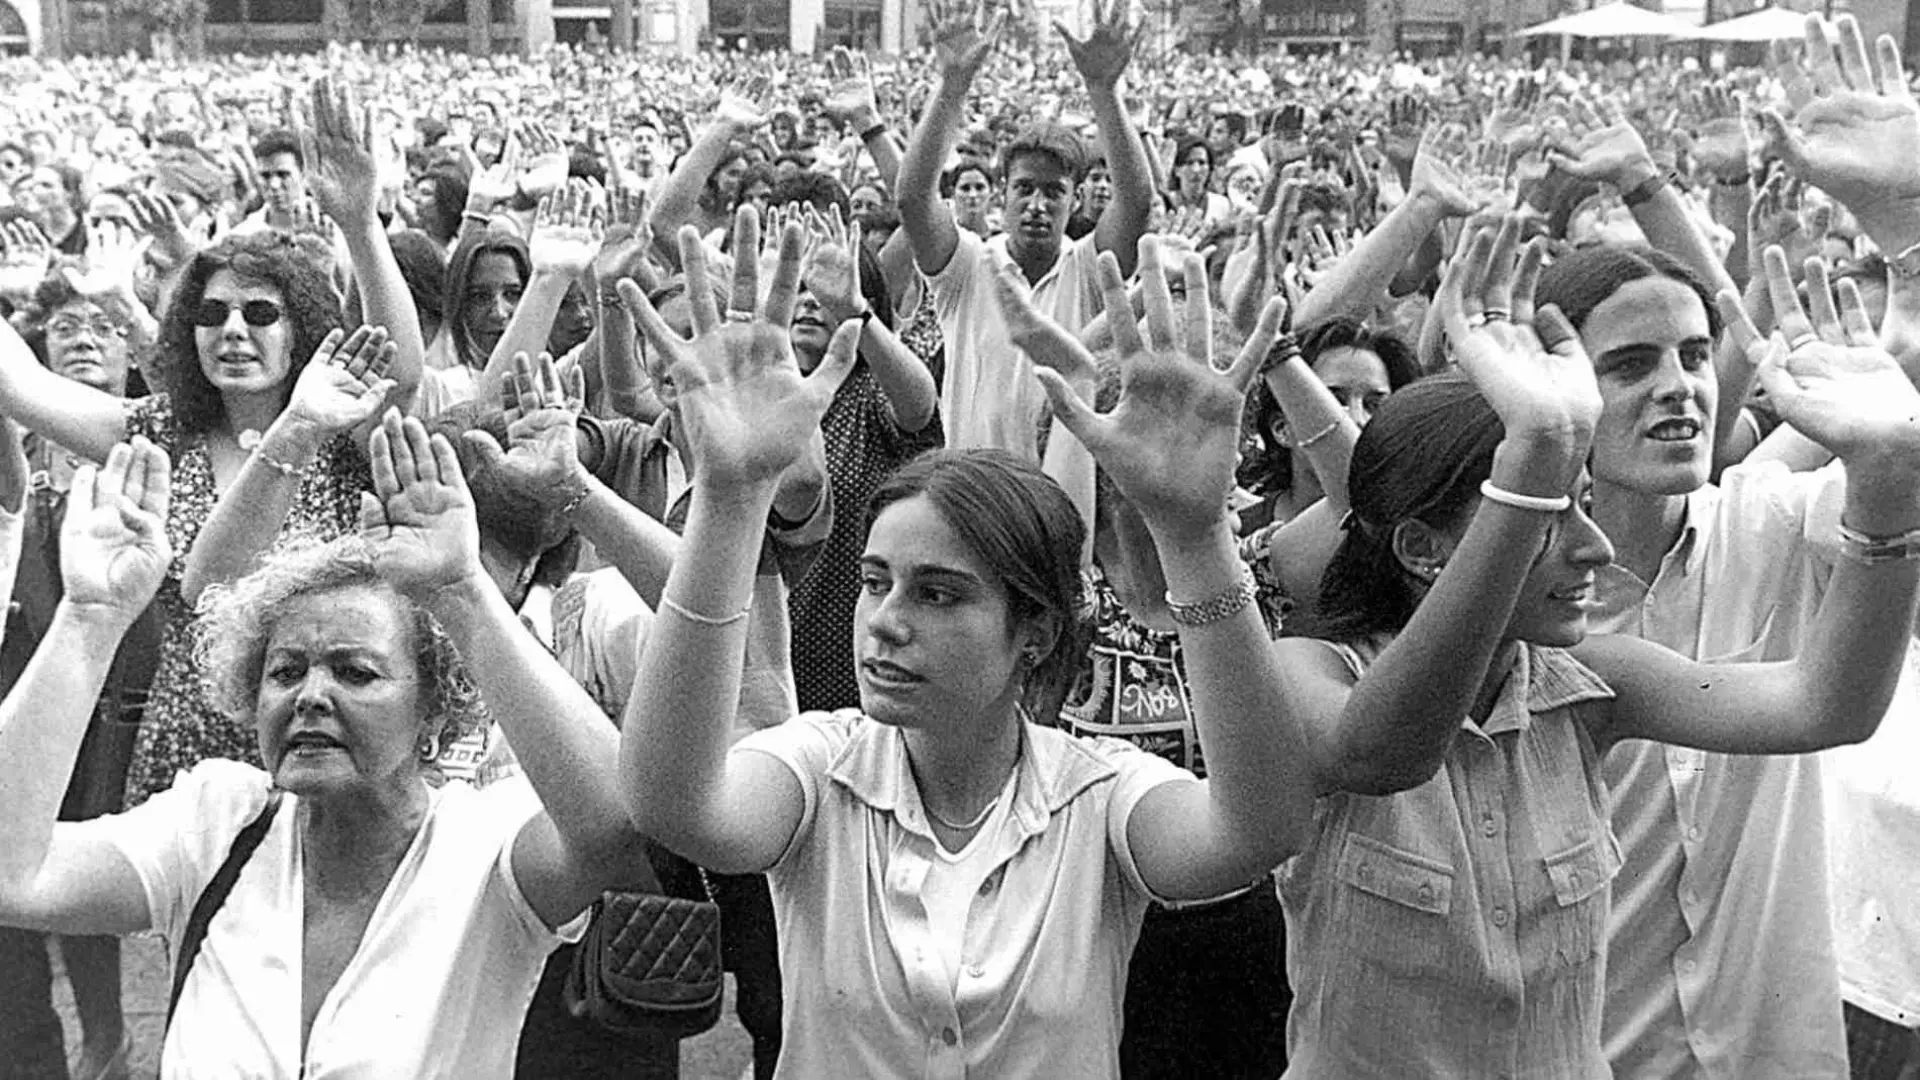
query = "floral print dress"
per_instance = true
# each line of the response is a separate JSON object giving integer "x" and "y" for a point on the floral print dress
{"x": 181, "y": 728}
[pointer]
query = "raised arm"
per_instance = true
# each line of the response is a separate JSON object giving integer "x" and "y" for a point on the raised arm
{"x": 1357, "y": 282}
{"x": 625, "y": 388}
{"x": 1391, "y": 730}
{"x": 341, "y": 390}
{"x": 1102, "y": 58}
{"x": 82, "y": 419}
{"x": 338, "y": 141}
{"x": 747, "y": 412}
{"x": 1170, "y": 446}
{"x": 742, "y": 111}
{"x": 419, "y": 524}
{"x": 851, "y": 102}
{"x": 1839, "y": 387}
{"x": 113, "y": 554}
{"x": 567, "y": 232}
{"x": 961, "y": 45}
{"x": 833, "y": 276}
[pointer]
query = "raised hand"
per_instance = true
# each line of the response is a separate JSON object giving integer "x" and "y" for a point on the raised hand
{"x": 1171, "y": 443}
{"x": 113, "y": 544}
{"x": 1105, "y": 52}
{"x": 24, "y": 263}
{"x": 418, "y": 522}
{"x": 1826, "y": 372}
{"x": 850, "y": 99}
{"x": 1406, "y": 124}
{"x": 542, "y": 459}
{"x": 1779, "y": 216}
{"x": 1604, "y": 147}
{"x": 1437, "y": 178}
{"x": 832, "y": 271}
{"x": 567, "y": 234}
{"x": 746, "y": 105}
{"x": 114, "y": 252}
{"x": 1529, "y": 366}
{"x": 345, "y": 383}
{"x": 963, "y": 37}
{"x": 748, "y": 412}
{"x": 498, "y": 182}
{"x": 1858, "y": 139}
{"x": 337, "y": 137}
{"x": 629, "y": 235}
{"x": 543, "y": 164}
{"x": 1720, "y": 143}
{"x": 160, "y": 219}
{"x": 1510, "y": 122}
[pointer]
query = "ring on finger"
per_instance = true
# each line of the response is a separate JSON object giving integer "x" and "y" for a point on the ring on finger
{"x": 740, "y": 316}
{"x": 1794, "y": 345}
{"x": 1497, "y": 315}
{"x": 1477, "y": 319}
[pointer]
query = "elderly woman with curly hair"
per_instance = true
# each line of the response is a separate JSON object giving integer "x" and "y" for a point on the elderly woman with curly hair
{"x": 377, "y": 924}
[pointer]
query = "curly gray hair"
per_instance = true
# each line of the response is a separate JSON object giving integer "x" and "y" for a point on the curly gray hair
{"x": 235, "y": 622}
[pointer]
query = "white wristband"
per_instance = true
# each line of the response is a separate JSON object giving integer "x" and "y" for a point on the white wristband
{"x": 1537, "y": 503}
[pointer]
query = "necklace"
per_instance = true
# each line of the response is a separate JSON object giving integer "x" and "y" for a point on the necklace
{"x": 978, "y": 819}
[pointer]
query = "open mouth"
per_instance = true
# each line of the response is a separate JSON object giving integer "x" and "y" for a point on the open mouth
{"x": 312, "y": 742}
{"x": 1573, "y": 594}
{"x": 1677, "y": 429}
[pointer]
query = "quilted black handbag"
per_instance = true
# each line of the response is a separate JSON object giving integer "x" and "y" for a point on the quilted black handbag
{"x": 649, "y": 965}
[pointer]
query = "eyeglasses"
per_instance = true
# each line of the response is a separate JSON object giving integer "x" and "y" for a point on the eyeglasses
{"x": 212, "y": 313}
{"x": 69, "y": 327}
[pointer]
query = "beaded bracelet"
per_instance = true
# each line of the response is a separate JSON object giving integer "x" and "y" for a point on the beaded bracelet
{"x": 1222, "y": 605}
{"x": 271, "y": 462}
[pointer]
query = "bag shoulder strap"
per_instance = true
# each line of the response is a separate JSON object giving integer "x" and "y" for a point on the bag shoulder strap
{"x": 215, "y": 895}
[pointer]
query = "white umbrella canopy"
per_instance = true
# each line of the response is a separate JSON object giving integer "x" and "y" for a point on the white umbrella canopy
{"x": 1610, "y": 21}
{"x": 1767, "y": 24}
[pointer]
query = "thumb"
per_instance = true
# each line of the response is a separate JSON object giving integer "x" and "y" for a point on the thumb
{"x": 1072, "y": 410}
{"x": 373, "y": 513}
{"x": 842, "y": 351}
{"x": 486, "y": 448}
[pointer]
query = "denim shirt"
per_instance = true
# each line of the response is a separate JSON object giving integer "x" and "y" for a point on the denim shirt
{"x": 1458, "y": 929}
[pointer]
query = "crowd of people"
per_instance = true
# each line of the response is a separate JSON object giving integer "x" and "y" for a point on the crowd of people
{"x": 1099, "y": 564}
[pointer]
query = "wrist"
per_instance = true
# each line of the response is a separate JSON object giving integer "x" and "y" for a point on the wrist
{"x": 1198, "y": 559}
{"x": 1634, "y": 173}
{"x": 1893, "y": 225}
{"x": 1538, "y": 464}
{"x": 104, "y": 624}
{"x": 292, "y": 438}
{"x": 863, "y": 121}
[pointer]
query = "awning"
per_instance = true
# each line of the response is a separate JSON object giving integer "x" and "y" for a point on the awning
{"x": 1611, "y": 21}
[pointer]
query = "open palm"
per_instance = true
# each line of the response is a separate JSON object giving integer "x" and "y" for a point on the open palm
{"x": 418, "y": 522}
{"x": 113, "y": 542}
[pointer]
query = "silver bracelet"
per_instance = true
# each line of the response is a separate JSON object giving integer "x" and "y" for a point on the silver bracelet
{"x": 667, "y": 603}
{"x": 1222, "y": 605}
{"x": 1874, "y": 550}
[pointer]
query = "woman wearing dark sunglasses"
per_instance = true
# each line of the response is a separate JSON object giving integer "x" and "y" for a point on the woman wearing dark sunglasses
{"x": 266, "y": 411}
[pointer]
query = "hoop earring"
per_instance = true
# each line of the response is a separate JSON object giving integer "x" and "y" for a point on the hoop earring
{"x": 429, "y": 748}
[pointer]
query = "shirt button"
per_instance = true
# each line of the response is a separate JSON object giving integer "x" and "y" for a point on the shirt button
{"x": 1366, "y": 872}
{"x": 949, "y": 1036}
{"x": 1693, "y": 832}
{"x": 1499, "y": 916}
{"x": 1687, "y": 966}
{"x": 1573, "y": 879}
{"x": 1426, "y": 894}
{"x": 978, "y": 971}
{"x": 1488, "y": 826}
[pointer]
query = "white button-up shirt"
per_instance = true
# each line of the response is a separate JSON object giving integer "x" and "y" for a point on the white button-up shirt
{"x": 1048, "y": 935}
{"x": 1721, "y": 961}
{"x": 989, "y": 395}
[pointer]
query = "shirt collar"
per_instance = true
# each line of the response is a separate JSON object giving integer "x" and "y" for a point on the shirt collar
{"x": 1054, "y": 769}
{"x": 1542, "y": 680}
{"x": 998, "y": 246}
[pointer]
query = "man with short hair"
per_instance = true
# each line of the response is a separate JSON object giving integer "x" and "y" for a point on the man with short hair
{"x": 282, "y": 173}
{"x": 989, "y": 396}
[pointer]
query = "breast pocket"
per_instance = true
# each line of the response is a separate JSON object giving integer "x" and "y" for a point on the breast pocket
{"x": 1580, "y": 877}
{"x": 1395, "y": 905}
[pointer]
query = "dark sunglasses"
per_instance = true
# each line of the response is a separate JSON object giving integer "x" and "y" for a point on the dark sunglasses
{"x": 256, "y": 312}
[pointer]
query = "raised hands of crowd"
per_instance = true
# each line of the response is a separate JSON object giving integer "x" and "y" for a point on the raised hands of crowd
{"x": 336, "y": 135}
{"x": 1450, "y": 171}
{"x": 114, "y": 550}
{"x": 569, "y": 229}
{"x": 1511, "y": 121}
{"x": 489, "y": 186}
{"x": 1527, "y": 363}
{"x": 343, "y": 386}
{"x": 541, "y": 461}
{"x": 114, "y": 253}
{"x": 543, "y": 160}
{"x": 964, "y": 36}
{"x": 1826, "y": 373}
{"x": 24, "y": 260}
{"x": 418, "y": 522}
{"x": 1781, "y": 217}
{"x": 1406, "y": 125}
{"x": 747, "y": 411}
{"x": 1858, "y": 136}
{"x": 1102, "y": 56}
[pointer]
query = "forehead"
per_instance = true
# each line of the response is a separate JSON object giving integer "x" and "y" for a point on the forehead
{"x": 1347, "y": 366}
{"x": 84, "y": 309}
{"x": 493, "y": 268}
{"x": 284, "y": 161}
{"x": 1036, "y": 167}
{"x": 227, "y": 285}
{"x": 913, "y": 535}
{"x": 360, "y": 617}
{"x": 1647, "y": 311}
